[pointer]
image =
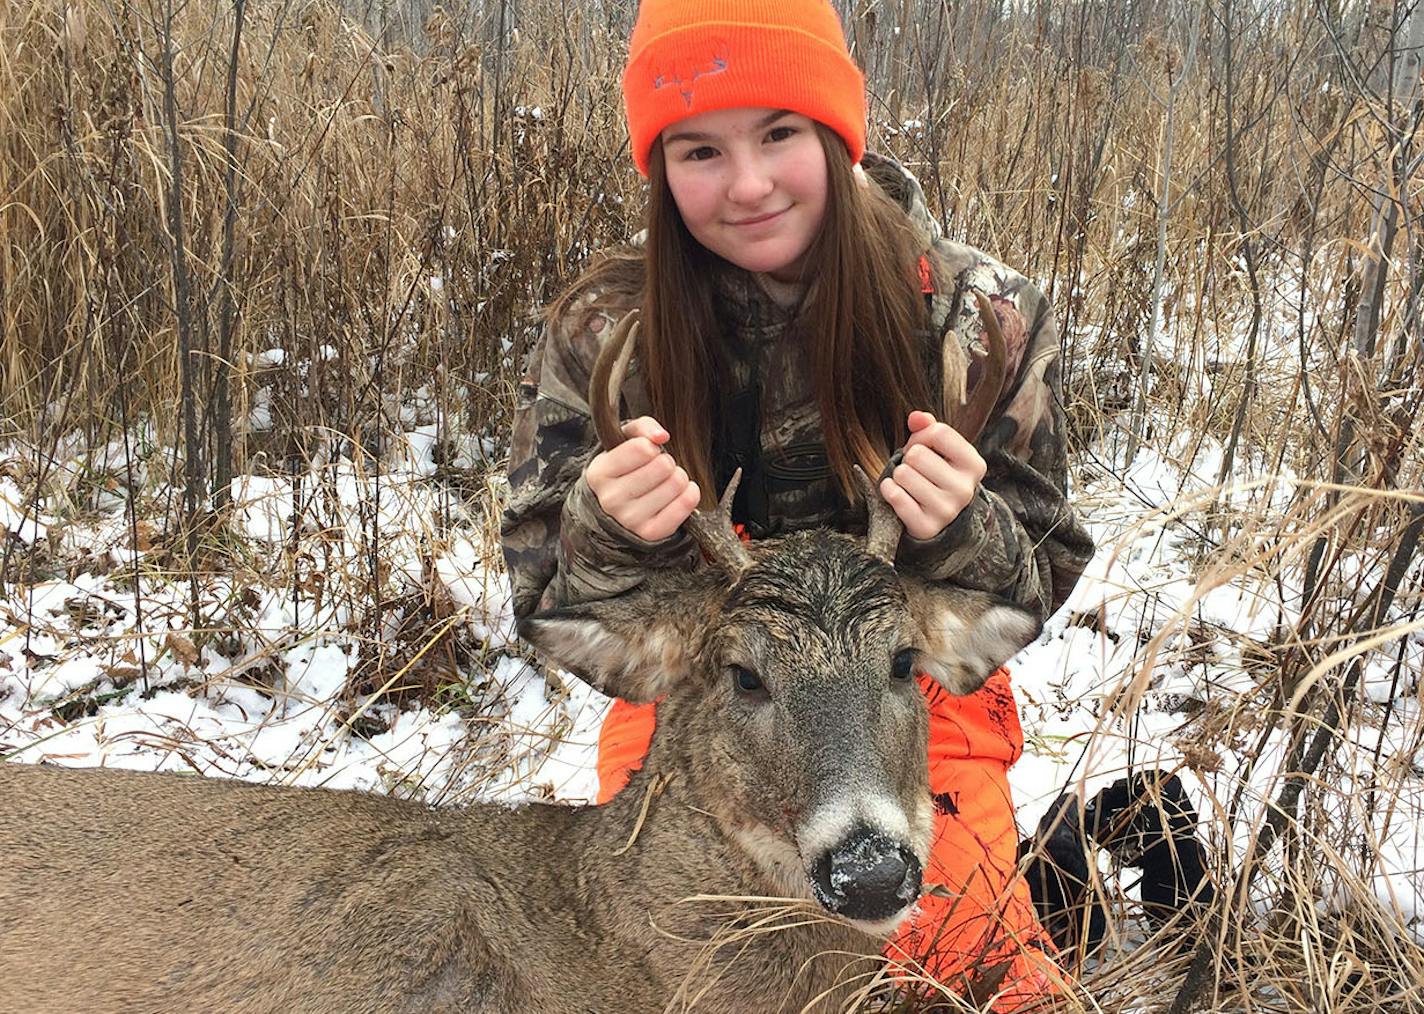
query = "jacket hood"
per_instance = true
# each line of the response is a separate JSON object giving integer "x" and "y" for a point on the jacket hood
{"x": 903, "y": 187}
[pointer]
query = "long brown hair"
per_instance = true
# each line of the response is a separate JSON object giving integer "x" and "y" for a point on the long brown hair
{"x": 863, "y": 309}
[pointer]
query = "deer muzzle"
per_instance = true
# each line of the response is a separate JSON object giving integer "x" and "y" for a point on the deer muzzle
{"x": 868, "y": 877}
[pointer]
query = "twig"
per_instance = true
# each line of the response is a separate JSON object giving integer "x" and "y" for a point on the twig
{"x": 222, "y": 396}
{"x": 193, "y": 456}
{"x": 654, "y": 790}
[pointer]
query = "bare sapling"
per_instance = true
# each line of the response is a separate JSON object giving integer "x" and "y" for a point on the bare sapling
{"x": 787, "y": 783}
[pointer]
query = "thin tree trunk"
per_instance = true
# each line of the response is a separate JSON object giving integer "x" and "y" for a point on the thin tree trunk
{"x": 1248, "y": 254}
{"x": 193, "y": 456}
{"x": 222, "y": 367}
{"x": 1137, "y": 426}
{"x": 1403, "y": 85}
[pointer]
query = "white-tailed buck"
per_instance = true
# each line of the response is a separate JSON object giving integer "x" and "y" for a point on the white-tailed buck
{"x": 789, "y": 761}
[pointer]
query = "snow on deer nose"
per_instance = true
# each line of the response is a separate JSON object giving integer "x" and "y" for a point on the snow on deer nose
{"x": 869, "y": 876}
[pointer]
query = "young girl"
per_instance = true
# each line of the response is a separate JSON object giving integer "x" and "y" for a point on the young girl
{"x": 795, "y": 295}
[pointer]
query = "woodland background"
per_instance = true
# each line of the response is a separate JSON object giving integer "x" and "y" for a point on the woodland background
{"x": 296, "y": 245}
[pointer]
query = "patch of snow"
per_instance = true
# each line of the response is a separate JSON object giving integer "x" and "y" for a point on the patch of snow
{"x": 420, "y": 450}
{"x": 17, "y": 516}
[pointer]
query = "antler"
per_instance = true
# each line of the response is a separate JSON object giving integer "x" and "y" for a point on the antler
{"x": 712, "y": 530}
{"x": 606, "y": 383}
{"x": 883, "y": 527}
{"x": 969, "y": 418}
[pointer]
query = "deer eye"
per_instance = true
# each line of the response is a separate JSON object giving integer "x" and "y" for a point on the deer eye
{"x": 747, "y": 682}
{"x": 904, "y": 665}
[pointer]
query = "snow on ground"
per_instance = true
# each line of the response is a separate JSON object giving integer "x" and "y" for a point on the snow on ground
{"x": 90, "y": 674}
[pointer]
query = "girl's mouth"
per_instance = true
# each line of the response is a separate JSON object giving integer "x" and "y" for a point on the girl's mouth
{"x": 760, "y": 219}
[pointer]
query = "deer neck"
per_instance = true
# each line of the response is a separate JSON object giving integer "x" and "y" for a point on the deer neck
{"x": 625, "y": 878}
{"x": 677, "y": 809}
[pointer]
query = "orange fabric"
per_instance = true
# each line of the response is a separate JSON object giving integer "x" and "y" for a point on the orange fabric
{"x": 989, "y": 919}
{"x": 622, "y": 744}
{"x": 693, "y": 56}
{"x": 926, "y": 277}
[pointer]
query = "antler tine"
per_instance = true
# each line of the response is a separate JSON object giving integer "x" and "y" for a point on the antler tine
{"x": 609, "y": 369}
{"x": 969, "y": 420}
{"x": 714, "y": 532}
{"x": 882, "y": 524}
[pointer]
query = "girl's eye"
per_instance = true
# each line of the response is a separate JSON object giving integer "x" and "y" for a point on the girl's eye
{"x": 903, "y": 666}
{"x": 701, "y": 154}
{"x": 780, "y": 133}
{"x": 746, "y": 681}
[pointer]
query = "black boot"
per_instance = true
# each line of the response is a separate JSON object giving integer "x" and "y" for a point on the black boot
{"x": 1146, "y": 821}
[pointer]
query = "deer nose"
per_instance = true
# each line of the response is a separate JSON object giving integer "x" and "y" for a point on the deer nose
{"x": 868, "y": 876}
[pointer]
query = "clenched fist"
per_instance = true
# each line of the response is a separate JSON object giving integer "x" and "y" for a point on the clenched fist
{"x": 639, "y": 485}
{"x": 937, "y": 479}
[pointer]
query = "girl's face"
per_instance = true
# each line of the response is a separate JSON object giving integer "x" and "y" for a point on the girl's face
{"x": 750, "y": 184}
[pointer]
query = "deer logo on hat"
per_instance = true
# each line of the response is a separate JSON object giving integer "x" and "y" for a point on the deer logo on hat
{"x": 684, "y": 72}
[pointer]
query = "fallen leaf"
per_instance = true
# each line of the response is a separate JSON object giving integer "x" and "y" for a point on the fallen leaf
{"x": 183, "y": 649}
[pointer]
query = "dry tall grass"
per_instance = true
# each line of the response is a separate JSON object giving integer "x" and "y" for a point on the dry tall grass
{"x": 353, "y": 223}
{"x": 361, "y": 175}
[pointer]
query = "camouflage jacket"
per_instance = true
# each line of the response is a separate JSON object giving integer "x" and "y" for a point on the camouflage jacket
{"x": 1018, "y": 538}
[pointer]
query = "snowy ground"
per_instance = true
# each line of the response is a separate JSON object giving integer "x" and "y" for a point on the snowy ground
{"x": 1150, "y": 643}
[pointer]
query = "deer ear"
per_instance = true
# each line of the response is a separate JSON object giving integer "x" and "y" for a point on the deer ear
{"x": 637, "y": 646}
{"x": 968, "y": 634}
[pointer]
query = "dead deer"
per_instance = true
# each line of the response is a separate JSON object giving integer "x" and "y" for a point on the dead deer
{"x": 789, "y": 762}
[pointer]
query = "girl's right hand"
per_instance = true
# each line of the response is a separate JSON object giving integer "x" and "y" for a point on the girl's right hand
{"x": 640, "y": 486}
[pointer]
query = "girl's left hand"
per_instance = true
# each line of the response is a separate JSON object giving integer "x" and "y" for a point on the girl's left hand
{"x": 937, "y": 478}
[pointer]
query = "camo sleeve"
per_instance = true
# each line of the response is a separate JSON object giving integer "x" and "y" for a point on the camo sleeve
{"x": 1019, "y": 537}
{"x": 560, "y": 548}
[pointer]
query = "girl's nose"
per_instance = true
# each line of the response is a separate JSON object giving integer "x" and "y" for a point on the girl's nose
{"x": 749, "y": 183}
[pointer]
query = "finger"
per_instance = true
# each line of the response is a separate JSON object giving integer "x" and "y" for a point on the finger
{"x": 950, "y": 444}
{"x": 645, "y": 426}
{"x": 946, "y": 486}
{"x": 937, "y": 435}
{"x": 671, "y": 517}
{"x": 623, "y": 496}
{"x": 940, "y": 504}
{"x": 658, "y": 513}
{"x": 912, "y": 516}
{"x": 629, "y": 456}
{"x": 947, "y": 475}
{"x": 637, "y": 510}
{"x": 918, "y": 420}
{"x": 932, "y": 499}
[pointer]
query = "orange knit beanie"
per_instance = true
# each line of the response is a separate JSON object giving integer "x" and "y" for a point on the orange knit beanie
{"x": 692, "y": 56}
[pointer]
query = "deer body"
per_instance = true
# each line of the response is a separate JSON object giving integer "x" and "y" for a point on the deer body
{"x": 131, "y": 891}
{"x": 139, "y": 892}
